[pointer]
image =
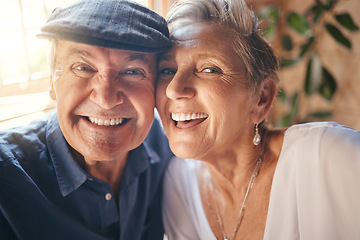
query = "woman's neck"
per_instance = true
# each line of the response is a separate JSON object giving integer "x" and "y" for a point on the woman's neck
{"x": 231, "y": 174}
{"x": 223, "y": 190}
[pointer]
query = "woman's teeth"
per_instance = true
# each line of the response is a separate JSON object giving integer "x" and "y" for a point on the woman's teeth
{"x": 187, "y": 116}
{"x": 106, "y": 122}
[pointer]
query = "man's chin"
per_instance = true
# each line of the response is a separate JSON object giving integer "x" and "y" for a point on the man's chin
{"x": 105, "y": 155}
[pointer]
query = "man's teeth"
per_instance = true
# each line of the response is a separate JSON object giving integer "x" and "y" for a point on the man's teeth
{"x": 106, "y": 122}
{"x": 187, "y": 116}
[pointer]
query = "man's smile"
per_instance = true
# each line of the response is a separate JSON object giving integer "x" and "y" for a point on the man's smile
{"x": 107, "y": 122}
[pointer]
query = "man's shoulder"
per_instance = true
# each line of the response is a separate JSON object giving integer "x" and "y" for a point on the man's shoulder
{"x": 20, "y": 141}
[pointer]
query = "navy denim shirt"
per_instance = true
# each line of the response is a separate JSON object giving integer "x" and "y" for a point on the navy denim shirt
{"x": 45, "y": 194}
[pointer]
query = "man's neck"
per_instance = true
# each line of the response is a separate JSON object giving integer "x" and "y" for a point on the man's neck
{"x": 108, "y": 171}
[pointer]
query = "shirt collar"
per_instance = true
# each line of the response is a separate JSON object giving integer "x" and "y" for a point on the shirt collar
{"x": 71, "y": 176}
{"x": 138, "y": 161}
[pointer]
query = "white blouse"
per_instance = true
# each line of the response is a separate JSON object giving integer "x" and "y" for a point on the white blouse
{"x": 315, "y": 193}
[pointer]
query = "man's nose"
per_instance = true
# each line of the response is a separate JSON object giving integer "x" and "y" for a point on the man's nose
{"x": 107, "y": 90}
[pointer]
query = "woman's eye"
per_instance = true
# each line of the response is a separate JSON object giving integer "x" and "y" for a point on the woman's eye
{"x": 83, "y": 71}
{"x": 167, "y": 71}
{"x": 211, "y": 70}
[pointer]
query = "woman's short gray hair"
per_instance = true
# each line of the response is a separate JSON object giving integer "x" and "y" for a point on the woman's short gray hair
{"x": 234, "y": 15}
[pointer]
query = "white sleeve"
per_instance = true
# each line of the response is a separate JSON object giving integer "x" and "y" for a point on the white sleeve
{"x": 315, "y": 192}
{"x": 176, "y": 206}
{"x": 340, "y": 170}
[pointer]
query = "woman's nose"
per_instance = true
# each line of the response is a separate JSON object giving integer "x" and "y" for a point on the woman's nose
{"x": 180, "y": 87}
{"x": 107, "y": 91}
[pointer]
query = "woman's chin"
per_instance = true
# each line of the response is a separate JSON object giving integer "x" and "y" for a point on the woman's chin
{"x": 185, "y": 150}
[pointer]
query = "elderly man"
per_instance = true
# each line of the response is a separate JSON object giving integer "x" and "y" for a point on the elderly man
{"x": 87, "y": 172}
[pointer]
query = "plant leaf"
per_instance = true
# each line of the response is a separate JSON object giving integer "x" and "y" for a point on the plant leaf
{"x": 346, "y": 21}
{"x": 285, "y": 121}
{"x": 308, "y": 83}
{"x": 287, "y": 42}
{"x": 313, "y": 75}
{"x": 270, "y": 30}
{"x": 271, "y": 14}
{"x": 329, "y": 4}
{"x": 328, "y": 86}
{"x": 294, "y": 105}
{"x": 287, "y": 62}
{"x": 299, "y": 24}
{"x": 337, "y": 35}
{"x": 304, "y": 48}
{"x": 288, "y": 118}
{"x": 320, "y": 115}
{"x": 317, "y": 10}
{"x": 282, "y": 95}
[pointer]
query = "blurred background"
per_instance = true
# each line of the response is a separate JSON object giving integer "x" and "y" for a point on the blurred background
{"x": 316, "y": 41}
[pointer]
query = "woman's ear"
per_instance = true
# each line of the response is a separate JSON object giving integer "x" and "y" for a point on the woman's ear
{"x": 265, "y": 99}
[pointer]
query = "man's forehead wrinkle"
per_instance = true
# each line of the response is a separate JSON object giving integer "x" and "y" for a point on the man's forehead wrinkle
{"x": 75, "y": 50}
{"x": 165, "y": 57}
{"x": 138, "y": 56}
{"x": 86, "y": 53}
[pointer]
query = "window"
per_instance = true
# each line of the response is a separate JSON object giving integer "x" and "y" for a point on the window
{"x": 24, "y": 71}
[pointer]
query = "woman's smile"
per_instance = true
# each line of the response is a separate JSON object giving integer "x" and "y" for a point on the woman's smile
{"x": 187, "y": 120}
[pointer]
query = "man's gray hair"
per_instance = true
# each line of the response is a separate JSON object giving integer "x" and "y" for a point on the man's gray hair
{"x": 242, "y": 23}
{"x": 52, "y": 54}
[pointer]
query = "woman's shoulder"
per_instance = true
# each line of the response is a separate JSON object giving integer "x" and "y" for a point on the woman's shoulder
{"x": 326, "y": 132}
{"x": 314, "y": 181}
{"x": 321, "y": 141}
{"x": 319, "y": 127}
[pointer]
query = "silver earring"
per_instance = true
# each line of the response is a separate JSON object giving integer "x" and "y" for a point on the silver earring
{"x": 257, "y": 137}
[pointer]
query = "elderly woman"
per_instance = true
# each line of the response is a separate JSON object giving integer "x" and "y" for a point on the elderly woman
{"x": 215, "y": 88}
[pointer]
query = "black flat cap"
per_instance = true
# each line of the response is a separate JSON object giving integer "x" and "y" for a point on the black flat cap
{"x": 118, "y": 24}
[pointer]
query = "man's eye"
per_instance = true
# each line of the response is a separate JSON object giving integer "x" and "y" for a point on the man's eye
{"x": 84, "y": 68}
{"x": 133, "y": 72}
{"x": 83, "y": 71}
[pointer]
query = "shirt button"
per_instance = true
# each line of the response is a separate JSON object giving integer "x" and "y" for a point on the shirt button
{"x": 108, "y": 196}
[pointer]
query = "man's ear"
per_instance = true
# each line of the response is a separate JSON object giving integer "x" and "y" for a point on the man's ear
{"x": 265, "y": 99}
{"x": 52, "y": 89}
